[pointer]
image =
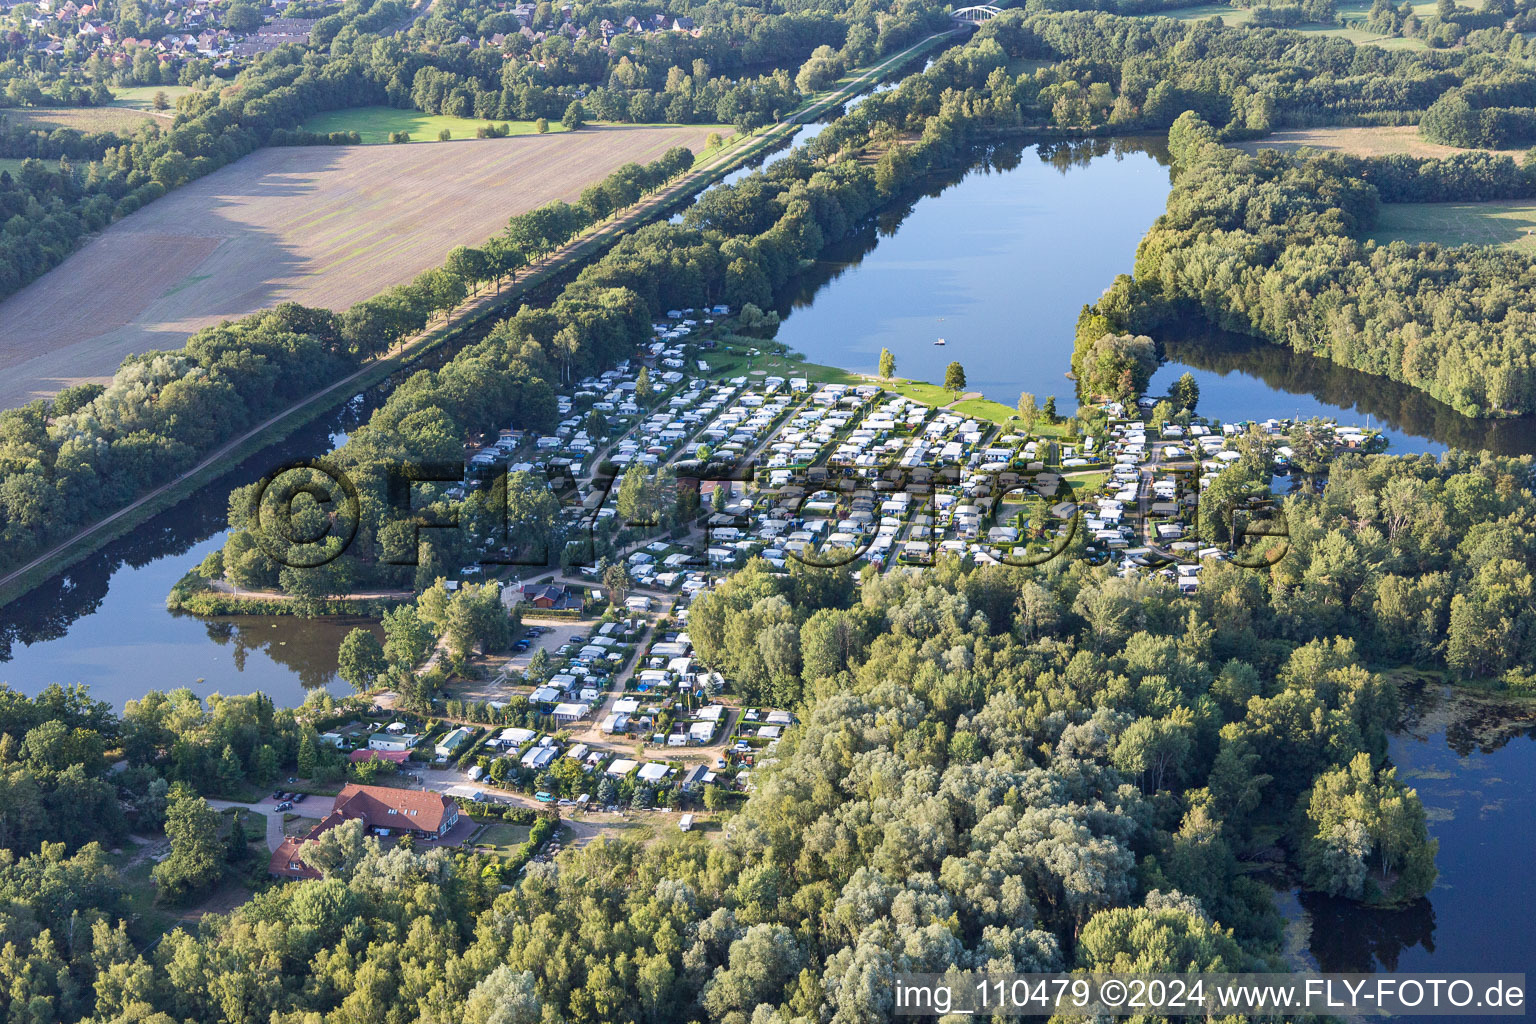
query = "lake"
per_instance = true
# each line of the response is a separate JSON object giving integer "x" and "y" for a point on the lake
{"x": 1472, "y": 760}
{"x": 104, "y": 621}
{"x": 999, "y": 259}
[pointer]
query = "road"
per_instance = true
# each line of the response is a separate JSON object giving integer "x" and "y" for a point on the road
{"x": 477, "y": 306}
{"x": 267, "y": 806}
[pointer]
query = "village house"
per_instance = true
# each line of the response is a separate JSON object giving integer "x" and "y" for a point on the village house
{"x": 382, "y": 810}
{"x": 552, "y": 598}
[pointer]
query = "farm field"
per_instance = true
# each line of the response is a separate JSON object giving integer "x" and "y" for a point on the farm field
{"x": 1382, "y": 141}
{"x": 1505, "y": 223}
{"x": 320, "y": 225}
{"x": 375, "y": 124}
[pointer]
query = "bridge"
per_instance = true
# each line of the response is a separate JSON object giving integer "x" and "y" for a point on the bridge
{"x": 974, "y": 16}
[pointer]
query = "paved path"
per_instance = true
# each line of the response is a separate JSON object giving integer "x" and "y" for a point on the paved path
{"x": 266, "y": 806}
{"x": 593, "y": 733}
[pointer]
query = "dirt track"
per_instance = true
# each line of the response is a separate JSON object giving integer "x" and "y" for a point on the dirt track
{"x": 319, "y": 225}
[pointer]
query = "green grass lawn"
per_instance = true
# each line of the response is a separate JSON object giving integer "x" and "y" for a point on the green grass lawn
{"x": 503, "y": 838}
{"x": 295, "y": 825}
{"x": 921, "y": 391}
{"x": 254, "y": 822}
{"x": 375, "y": 124}
{"x": 146, "y": 918}
{"x": 1229, "y": 14}
{"x": 1084, "y": 483}
{"x": 142, "y": 97}
{"x": 732, "y": 359}
{"x": 1021, "y": 65}
{"x": 986, "y": 409}
{"x": 1505, "y": 223}
{"x": 12, "y": 164}
{"x": 1350, "y": 10}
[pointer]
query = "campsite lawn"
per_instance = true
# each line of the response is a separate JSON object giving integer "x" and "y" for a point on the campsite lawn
{"x": 986, "y": 409}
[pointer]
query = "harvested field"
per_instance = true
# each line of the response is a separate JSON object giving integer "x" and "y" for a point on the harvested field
{"x": 1363, "y": 142}
{"x": 323, "y": 226}
{"x": 1505, "y": 223}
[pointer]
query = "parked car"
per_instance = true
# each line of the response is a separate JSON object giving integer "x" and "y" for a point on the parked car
{"x": 298, "y": 798}
{"x": 286, "y": 805}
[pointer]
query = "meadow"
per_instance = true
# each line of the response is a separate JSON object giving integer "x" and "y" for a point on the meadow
{"x": 1507, "y": 224}
{"x": 1353, "y": 12}
{"x": 1377, "y": 141}
{"x": 111, "y": 118}
{"x": 376, "y": 124}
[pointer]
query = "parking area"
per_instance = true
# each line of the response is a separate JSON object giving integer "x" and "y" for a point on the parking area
{"x": 554, "y": 633}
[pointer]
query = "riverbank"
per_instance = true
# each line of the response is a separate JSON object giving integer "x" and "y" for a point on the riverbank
{"x": 195, "y": 595}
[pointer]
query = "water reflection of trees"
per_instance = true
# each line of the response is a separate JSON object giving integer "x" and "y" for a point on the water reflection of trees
{"x": 306, "y": 648}
{"x": 1472, "y": 722}
{"x": 1397, "y": 405}
{"x": 49, "y": 610}
{"x": 990, "y": 158}
{"x": 1068, "y": 154}
{"x": 1349, "y": 937}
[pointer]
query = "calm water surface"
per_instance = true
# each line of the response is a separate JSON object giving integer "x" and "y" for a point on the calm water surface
{"x": 998, "y": 260}
{"x": 1473, "y": 762}
{"x": 104, "y": 621}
